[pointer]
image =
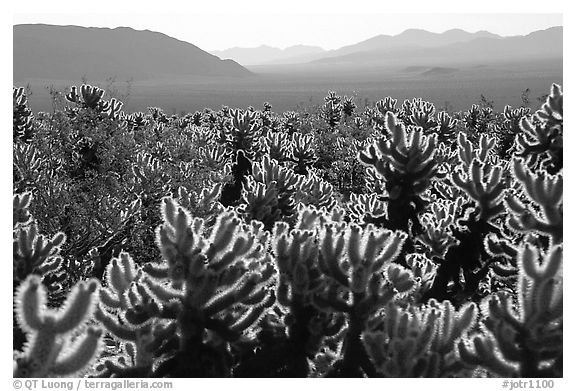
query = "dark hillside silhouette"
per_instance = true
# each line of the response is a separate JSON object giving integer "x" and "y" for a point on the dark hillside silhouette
{"x": 67, "y": 52}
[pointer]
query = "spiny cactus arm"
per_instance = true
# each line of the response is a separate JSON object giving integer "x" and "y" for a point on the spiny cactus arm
{"x": 78, "y": 307}
{"x": 391, "y": 243}
{"x": 156, "y": 270}
{"x": 50, "y": 330}
{"x": 423, "y": 115}
{"x": 540, "y": 287}
{"x": 114, "y": 109}
{"x": 481, "y": 351}
{"x": 363, "y": 207}
{"x": 536, "y": 140}
{"x": 179, "y": 240}
{"x": 485, "y": 185}
{"x": 496, "y": 246}
{"x": 20, "y": 204}
{"x": 73, "y": 96}
{"x": 467, "y": 153}
{"x": 236, "y": 293}
{"x": 331, "y": 250}
{"x": 315, "y": 191}
{"x": 366, "y": 253}
{"x": 303, "y": 148}
{"x": 80, "y": 355}
{"x": 446, "y": 125}
{"x": 159, "y": 290}
{"x": 423, "y": 269}
{"x": 410, "y": 162}
{"x": 454, "y": 325}
{"x": 32, "y": 249}
{"x": 30, "y": 299}
{"x": 528, "y": 335}
{"x": 547, "y": 193}
{"x": 255, "y": 313}
{"x": 226, "y": 228}
{"x": 403, "y": 345}
{"x": 91, "y": 95}
{"x": 552, "y": 110}
{"x": 259, "y": 201}
{"x": 112, "y": 324}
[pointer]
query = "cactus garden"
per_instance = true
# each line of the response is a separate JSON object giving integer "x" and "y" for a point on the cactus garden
{"x": 390, "y": 240}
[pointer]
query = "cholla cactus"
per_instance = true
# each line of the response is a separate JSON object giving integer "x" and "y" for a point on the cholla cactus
{"x": 89, "y": 97}
{"x": 331, "y": 111}
{"x": 283, "y": 180}
{"x": 240, "y": 138}
{"x": 201, "y": 204}
{"x": 541, "y": 142}
{"x": 552, "y": 111}
{"x": 243, "y": 132}
{"x": 420, "y": 342}
{"x": 407, "y": 165}
{"x": 482, "y": 179}
{"x": 136, "y": 121}
{"x": 177, "y": 317}
{"x": 525, "y": 338}
{"x": 128, "y": 310}
{"x": 20, "y": 214}
{"x": 478, "y": 119}
{"x": 277, "y": 145}
{"x": 510, "y": 129}
{"x": 220, "y": 282}
{"x": 114, "y": 111}
{"x": 260, "y": 202}
{"x": 302, "y": 153}
{"x": 296, "y": 254}
{"x": 348, "y": 106}
{"x": 315, "y": 191}
{"x": 23, "y": 120}
{"x": 361, "y": 278}
{"x": 446, "y": 127}
{"x": 290, "y": 121}
{"x": 545, "y": 191}
{"x": 28, "y": 163}
{"x": 437, "y": 227}
{"x": 424, "y": 271}
{"x": 32, "y": 252}
{"x": 158, "y": 115}
{"x": 377, "y": 116}
{"x": 485, "y": 185}
{"x": 364, "y": 208}
{"x": 55, "y": 346}
{"x": 421, "y": 114}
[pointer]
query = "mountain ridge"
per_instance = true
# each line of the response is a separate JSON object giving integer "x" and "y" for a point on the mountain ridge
{"x": 55, "y": 52}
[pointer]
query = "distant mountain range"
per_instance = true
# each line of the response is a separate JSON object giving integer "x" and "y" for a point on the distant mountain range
{"x": 270, "y": 55}
{"x": 414, "y": 44}
{"x": 71, "y": 52}
{"x": 449, "y": 48}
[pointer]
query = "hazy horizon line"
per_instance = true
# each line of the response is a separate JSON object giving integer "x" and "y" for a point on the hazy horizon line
{"x": 325, "y": 32}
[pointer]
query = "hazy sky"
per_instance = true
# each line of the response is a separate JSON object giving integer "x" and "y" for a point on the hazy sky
{"x": 329, "y": 24}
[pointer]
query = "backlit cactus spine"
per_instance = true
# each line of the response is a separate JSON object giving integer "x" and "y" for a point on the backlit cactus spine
{"x": 55, "y": 347}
